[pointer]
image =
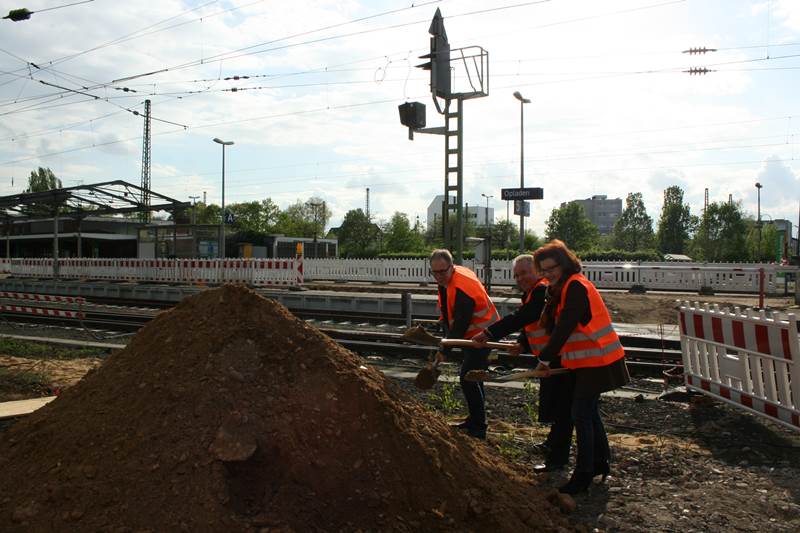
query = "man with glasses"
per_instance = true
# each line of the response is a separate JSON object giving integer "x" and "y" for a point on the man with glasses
{"x": 466, "y": 310}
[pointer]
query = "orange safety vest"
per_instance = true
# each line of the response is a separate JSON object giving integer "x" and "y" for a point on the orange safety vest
{"x": 536, "y": 334}
{"x": 484, "y": 313}
{"x": 596, "y": 343}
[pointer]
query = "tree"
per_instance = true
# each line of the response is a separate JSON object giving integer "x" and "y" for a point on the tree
{"x": 256, "y": 217}
{"x": 768, "y": 249}
{"x": 570, "y": 224}
{"x": 721, "y": 234}
{"x": 357, "y": 235}
{"x": 676, "y": 223}
{"x": 304, "y": 219}
{"x": 42, "y": 180}
{"x": 399, "y": 236}
{"x": 634, "y": 228}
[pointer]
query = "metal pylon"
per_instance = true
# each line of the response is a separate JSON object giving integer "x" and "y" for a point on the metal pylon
{"x": 453, "y": 177}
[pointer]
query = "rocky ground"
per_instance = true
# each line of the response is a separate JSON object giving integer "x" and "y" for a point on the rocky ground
{"x": 690, "y": 464}
{"x": 686, "y": 464}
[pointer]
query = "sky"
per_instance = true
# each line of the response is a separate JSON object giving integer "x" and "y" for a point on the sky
{"x": 308, "y": 91}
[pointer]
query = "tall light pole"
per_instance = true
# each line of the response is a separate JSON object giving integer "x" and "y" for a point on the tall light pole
{"x": 522, "y": 102}
{"x": 194, "y": 209}
{"x": 758, "y": 253}
{"x": 222, "y": 215}
{"x": 486, "y": 216}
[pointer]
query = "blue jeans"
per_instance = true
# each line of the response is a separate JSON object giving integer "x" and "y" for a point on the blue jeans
{"x": 474, "y": 359}
{"x": 590, "y": 433}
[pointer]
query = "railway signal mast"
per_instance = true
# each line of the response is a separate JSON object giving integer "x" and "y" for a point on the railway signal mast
{"x": 473, "y": 63}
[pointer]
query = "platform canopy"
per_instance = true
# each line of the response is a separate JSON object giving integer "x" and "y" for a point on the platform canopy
{"x": 105, "y": 198}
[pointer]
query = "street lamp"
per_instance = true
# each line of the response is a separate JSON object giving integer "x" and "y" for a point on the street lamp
{"x": 222, "y": 218}
{"x": 758, "y": 223}
{"x": 522, "y": 102}
{"x": 486, "y": 216}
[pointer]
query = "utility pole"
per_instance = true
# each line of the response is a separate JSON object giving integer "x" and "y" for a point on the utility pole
{"x": 194, "y": 209}
{"x": 144, "y": 215}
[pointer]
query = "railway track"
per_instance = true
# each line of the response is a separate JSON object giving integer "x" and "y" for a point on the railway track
{"x": 364, "y": 334}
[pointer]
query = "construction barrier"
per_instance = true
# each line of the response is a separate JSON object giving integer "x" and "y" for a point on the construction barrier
{"x": 254, "y": 272}
{"x": 750, "y": 360}
{"x": 44, "y": 305}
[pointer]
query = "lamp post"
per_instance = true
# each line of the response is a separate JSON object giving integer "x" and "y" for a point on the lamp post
{"x": 758, "y": 223}
{"x": 222, "y": 216}
{"x": 522, "y": 102}
{"x": 486, "y": 216}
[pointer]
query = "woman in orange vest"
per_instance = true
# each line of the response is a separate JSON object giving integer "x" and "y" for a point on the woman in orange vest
{"x": 466, "y": 310}
{"x": 555, "y": 392}
{"x": 580, "y": 332}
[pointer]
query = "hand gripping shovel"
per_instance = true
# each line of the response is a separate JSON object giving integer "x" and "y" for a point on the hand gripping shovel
{"x": 483, "y": 375}
{"x": 420, "y": 336}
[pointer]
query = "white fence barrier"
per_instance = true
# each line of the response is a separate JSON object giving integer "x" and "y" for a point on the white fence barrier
{"x": 656, "y": 276}
{"x": 743, "y": 278}
{"x": 750, "y": 360}
{"x": 256, "y": 272}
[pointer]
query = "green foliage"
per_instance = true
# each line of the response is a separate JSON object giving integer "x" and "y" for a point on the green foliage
{"x": 634, "y": 228}
{"x": 676, "y": 223}
{"x": 447, "y": 401}
{"x": 304, "y": 219}
{"x": 22, "y": 379}
{"x": 769, "y": 247}
{"x": 570, "y": 224}
{"x": 358, "y": 237}
{"x": 255, "y": 216}
{"x": 721, "y": 234}
{"x": 508, "y": 447}
{"x": 38, "y": 350}
{"x": 620, "y": 255}
{"x": 531, "y": 402}
{"x": 399, "y": 236}
{"x": 42, "y": 180}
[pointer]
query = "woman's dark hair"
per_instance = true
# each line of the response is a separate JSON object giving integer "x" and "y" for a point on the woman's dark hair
{"x": 558, "y": 251}
{"x": 569, "y": 263}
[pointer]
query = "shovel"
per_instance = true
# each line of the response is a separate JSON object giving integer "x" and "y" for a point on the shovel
{"x": 419, "y": 335}
{"x": 483, "y": 375}
{"x": 428, "y": 375}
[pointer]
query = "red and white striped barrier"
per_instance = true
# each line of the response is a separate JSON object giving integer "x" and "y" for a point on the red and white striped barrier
{"x": 43, "y": 297}
{"x": 254, "y": 272}
{"x": 749, "y": 359}
{"x": 42, "y": 311}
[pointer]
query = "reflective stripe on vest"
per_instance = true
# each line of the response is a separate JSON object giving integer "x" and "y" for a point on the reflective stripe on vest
{"x": 484, "y": 312}
{"x": 537, "y": 336}
{"x": 596, "y": 343}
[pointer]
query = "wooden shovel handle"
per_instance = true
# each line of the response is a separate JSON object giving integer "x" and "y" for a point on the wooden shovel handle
{"x": 468, "y": 343}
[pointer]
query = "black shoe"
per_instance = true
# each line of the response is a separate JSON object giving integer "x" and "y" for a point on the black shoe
{"x": 548, "y": 467}
{"x": 601, "y": 469}
{"x": 542, "y": 447}
{"x": 578, "y": 482}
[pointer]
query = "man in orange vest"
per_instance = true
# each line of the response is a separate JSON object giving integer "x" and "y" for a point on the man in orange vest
{"x": 555, "y": 392}
{"x": 466, "y": 310}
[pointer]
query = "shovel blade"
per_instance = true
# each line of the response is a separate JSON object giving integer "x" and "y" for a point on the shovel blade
{"x": 420, "y": 336}
{"x": 426, "y": 377}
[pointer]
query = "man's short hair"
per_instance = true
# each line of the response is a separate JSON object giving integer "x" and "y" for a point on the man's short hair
{"x": 523, "y": 258}
{"x": 441, "y": 253}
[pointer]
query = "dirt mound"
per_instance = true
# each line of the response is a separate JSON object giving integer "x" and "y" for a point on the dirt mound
{"x": 227, "y": 413}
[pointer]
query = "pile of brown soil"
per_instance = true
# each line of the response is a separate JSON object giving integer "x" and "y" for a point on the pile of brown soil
{"x": 227, "y": 413}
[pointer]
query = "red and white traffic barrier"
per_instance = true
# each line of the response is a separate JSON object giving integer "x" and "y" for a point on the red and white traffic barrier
{"x": 748, "y": 359}
{"x": 43, "y": 297}
{"x": 42, "y": 311}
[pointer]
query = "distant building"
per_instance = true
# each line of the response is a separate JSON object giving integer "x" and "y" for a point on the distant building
{"x": 601, "y": 211}
{"x": 478, "y": 215}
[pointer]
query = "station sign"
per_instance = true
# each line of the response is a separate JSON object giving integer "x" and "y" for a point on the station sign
{"x": 523, "y": 208}
{"x": 522, "y": 193}
{"x": 230, "y": 218}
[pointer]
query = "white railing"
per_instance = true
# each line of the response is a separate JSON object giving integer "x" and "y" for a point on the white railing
{"x": 256, "y": 272}
{"x": 751, "y": 360}
{"x": 743, "y": 277}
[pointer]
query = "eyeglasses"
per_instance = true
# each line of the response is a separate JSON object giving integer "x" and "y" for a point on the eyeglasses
{"x": 545, "y": 271}
{"x": 440, "y": 272}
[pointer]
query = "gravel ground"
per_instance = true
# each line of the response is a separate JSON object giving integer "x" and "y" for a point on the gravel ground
{"x": 690, "y": 464}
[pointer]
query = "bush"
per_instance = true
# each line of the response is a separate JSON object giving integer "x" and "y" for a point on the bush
{"x": 619, "y": 255}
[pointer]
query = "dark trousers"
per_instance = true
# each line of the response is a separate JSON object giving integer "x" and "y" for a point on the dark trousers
{"x": 474, "y": 359}
{"x": 590, "y": 433}
{"x": 559, "y": 440}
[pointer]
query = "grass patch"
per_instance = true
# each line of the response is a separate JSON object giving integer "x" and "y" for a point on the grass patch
{"x": 39, "y": 350}
{"x": 22, "y": 379}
